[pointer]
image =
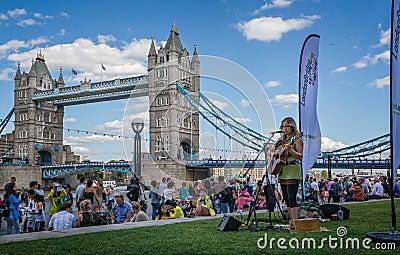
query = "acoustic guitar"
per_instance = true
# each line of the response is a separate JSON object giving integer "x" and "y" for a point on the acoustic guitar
{"x": 277, "y": 162}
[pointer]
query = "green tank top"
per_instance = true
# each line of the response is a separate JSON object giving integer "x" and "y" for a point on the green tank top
{"x": 290, "y": 172}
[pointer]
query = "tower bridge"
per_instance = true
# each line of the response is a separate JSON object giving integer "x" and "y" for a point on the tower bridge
{"x": 40, "y": 101}
{"x": 172, "y": 86}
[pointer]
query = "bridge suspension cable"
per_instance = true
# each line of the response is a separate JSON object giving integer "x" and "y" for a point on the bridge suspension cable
{"x": 250, "y": 138}
{"x": 368, "y": 148}
{"x": 4, "y": 123}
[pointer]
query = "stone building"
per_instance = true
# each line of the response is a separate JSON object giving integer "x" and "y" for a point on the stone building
{"x": 38, "y": 133}
{"x": 174, "y": 124}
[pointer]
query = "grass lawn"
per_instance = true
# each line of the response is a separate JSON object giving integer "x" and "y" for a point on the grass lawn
{"x": 202, "y": 237}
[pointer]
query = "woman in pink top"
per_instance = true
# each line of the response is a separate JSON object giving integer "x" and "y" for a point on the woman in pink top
{"x": 244, "y": 199}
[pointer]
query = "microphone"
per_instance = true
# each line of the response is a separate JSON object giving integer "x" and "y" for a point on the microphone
{"x": 278, "y": 132}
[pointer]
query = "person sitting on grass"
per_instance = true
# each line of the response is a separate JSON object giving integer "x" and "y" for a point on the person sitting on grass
{"x": 164, "y": 212}
{"x": 377, "y": 191}
{"x": 204, "y": 204}
{"x": 138, "y": 215}
{"x": 397, "y": 188}
{"x": 262, "y": 203}
{"x": 122, "y": 210}
{"x": 244, "y": 199}
{"x": 85, "y": 216}
{"x": 64, "y": 219}
{"x": 175, "y": 209}
{"x": 189, "y": 211}
{"x": 358, "y": 193}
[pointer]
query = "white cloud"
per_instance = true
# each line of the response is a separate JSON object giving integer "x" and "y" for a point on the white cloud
{"x": 134, "y": 104}
{"x": 106, "y": 38}
{"x": 78, "y": 140}
{"x": 285, "y": 100}
{"x": 340, "y": 69}
{"x": 275, "y": 4}
{"x": 384, "y": 38}
{"x": 368, "y": 60}
{"x": 37, "y": 41}
{"x": 41, "y": 16}
{"x": 85, "y": 56}
{"x": 245, "y": 103}
{"x": 3, "y": 16}
{"x": 62, "y": 32}
{"x": 328, "y": 144}
{"x": 28, "y": 22}
{"x": 79, "y": 149}
{"x": 243, "y": 120}
{"x": 220, "y": 104}
{"x": 380, "y": 83}
{"x": 4, "y": 74}
{"x": 70, "y": 120}
{"x": 64, "y": 14}
{"x": 16, "y": 12}
{"x": 362, "y": 63}
{"x": 111, "y": 126}
{"x": 12, "y": 46}
{"x": 384, "y": 56}
{"x": 271, "y": 84}
{"x": 271, "y": 28}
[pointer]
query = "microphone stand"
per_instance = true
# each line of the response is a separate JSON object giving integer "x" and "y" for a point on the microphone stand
{"x": 253, "y": 204}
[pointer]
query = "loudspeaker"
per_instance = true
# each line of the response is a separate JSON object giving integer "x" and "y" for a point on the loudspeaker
{"x": 229, "y": 223}
{"x": 328, "y": 209}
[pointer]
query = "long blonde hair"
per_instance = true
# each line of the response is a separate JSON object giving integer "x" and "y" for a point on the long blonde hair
{"x": 290, "y": 121}
{"x": 85, "y": 205}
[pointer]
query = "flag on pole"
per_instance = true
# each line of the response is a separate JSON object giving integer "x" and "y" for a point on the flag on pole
{"x": 308, "y": 92}
{"x": 102, "y": 67}
{"x": 74, "y": 72}
{"x": 395, "y": 91}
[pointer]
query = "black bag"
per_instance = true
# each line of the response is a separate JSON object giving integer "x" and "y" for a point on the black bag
{"x": 229, "y": 223}
{"x": 328, "y": 209}
{"x": 4, "y": 210}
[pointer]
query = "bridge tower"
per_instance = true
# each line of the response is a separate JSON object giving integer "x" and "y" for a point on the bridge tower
{"x": 174, "y": 125}
{"x": 38, "y": 126}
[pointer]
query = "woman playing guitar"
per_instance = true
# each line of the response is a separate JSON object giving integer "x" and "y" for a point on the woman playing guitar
{"x": 290, "y": 175}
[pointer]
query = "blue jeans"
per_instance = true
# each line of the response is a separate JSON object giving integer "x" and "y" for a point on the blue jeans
{"x": 222, "y": 207}
{"x": 10, "y": 225}
{"x": 154, "y": 209}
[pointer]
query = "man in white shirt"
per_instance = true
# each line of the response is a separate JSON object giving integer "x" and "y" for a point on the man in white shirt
{"x": 314, "y": 186}
{"x": 377, "y": 191}
{"x": 64, "y": 219}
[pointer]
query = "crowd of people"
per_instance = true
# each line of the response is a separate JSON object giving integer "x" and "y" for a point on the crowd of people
{"x": 26, "y": 209}
{"x": 347, "y": 189}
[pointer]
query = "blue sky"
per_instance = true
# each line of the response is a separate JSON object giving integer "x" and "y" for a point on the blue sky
{"x": 264, "y": 37}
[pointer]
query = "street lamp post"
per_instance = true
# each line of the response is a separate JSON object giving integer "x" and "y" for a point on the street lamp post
{"x": 137, "y": 126}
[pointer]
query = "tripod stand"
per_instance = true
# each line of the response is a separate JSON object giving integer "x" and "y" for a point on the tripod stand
{"x": 268, "y": 191}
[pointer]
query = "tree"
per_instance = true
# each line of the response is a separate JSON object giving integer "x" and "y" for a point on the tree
{"x": 92, "y": 175}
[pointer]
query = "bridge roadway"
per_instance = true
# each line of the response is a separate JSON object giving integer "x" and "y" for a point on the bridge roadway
{"x": 125, "y": 167}
{"x": 321, "y": 163}
{"x": 136, "y": 86}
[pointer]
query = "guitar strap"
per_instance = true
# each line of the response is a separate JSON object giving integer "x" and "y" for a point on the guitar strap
{"x": 287, "y": 141}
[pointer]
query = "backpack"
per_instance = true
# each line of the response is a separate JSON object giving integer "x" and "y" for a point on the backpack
{"x": 225, "y": 195}
{"x": 4, "y": 210}
{"x": 337, "y": 190}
